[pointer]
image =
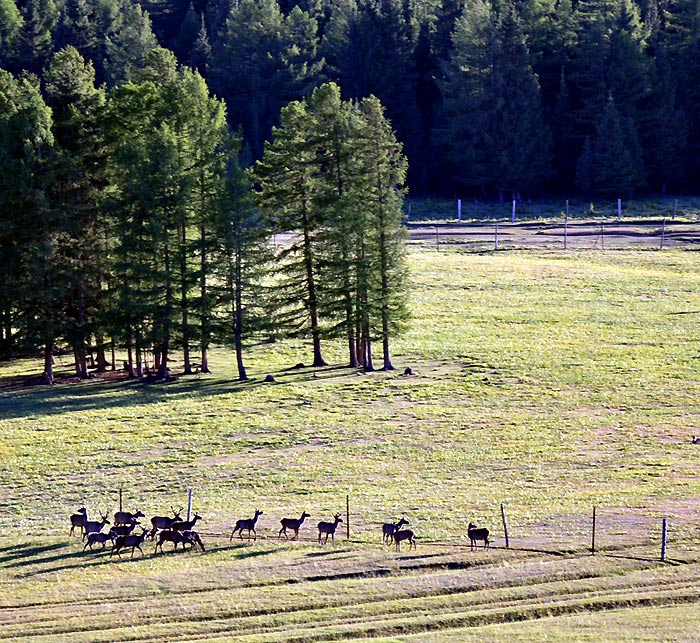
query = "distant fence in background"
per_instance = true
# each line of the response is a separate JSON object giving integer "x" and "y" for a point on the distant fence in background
{"x": 608, "y": 234}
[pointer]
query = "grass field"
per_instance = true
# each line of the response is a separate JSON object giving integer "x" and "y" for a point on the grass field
{"x": 548, "y": 382}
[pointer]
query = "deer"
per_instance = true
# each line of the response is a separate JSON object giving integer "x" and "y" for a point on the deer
{"x": 133, "y": 540}
{"x": 476, "y": 535}
{"x": 122, "y": 530}
{"x": 97, "y": 537}
{"x": 194, "y": 539}
{"x": 127, "y": 518}
{"x": 78, "y": 520}
{"x": 696, "y": 439}
{"x": 404, "y": 534}
{"x": 91, "y": 526}
{"x": 164, "y": 522}
{"x": 293, "y": 524}
{"x": 328, "y": 528}
{"x": 175, "y": 537}
{"x": 390, "y": 528}
{"x": 185, "y": 525}
{"x": 248, "y": 524}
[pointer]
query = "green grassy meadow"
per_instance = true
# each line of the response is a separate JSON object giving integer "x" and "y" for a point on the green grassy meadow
{"x": 550, "y": 382}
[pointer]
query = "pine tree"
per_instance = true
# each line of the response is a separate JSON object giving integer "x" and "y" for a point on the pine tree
{"x": 286, "y": 174}
{"x": 77, "y": 180}
{"x": 386, "y": 174}
{"x": 10, "y": 23}
{"x": 127, "y": 46}
{"x": 25, "y": 139}
{"x": 33, "y": 42}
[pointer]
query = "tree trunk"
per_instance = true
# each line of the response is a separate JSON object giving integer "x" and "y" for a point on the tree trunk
{"x": 206, "y": 330}
{"x": 369, "y": 361}
{"x": 101, "y": 354}
{"x": 184, "y": 302}
{"x": 237, "y": 283}
{"x": 313, "y": 302}
{"x": 47, "y": 377}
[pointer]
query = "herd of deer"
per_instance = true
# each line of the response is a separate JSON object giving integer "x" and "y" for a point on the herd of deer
{"x": 122, "y": 534}
{"x": 178, "y": 531}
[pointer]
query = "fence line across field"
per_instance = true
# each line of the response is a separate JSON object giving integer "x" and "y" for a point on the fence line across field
{"x": 567, "y": 234}
{"x": 459, "y": 541}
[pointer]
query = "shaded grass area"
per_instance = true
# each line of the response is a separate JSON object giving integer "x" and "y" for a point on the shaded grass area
{"x": 550, "y": 382}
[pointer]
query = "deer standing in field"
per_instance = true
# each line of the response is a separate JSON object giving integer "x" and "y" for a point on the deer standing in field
{"x": 185, "y": 525}
{"x": 124, "y": 542}
{"x": 248, "y": 524}
{"x": 696, "y": 439}
{"x": 193, "y": 538}
{"x": 78, "y": 520}
{"x": 127, "y": 518}
{"x": 404, "y": 534}
{"x": 390, "y": 528}
{"x": 122, "y": 530}
{"x": 174, "y": 537}
{"x": 294, "y": 524}
{"x": 97, "y": 537}
{"x": 476, "y": 535}
{"x": 164, "y": 522}
{"x": 328, "y": 528}
{"x": 92, "y": 526}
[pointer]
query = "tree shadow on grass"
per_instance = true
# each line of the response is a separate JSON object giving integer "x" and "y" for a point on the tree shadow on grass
{"x": 107, "y": 396}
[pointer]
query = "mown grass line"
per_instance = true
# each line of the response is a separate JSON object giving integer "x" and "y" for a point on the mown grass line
{"x": 474, "y": 596}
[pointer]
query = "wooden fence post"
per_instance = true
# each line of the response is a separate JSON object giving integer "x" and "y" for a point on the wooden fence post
{"x": 566, "y": 224}
{"x": 663, "y": 233}
{"x": 505, "y": 525}
{"x": 512, "y": 216}
{"x": 121, "y": 506}
{"x": 347, "y": 516}
{"x": 664, "y": 536}
{"x": 593, "y": 533}
{"x": 189, "y": 505}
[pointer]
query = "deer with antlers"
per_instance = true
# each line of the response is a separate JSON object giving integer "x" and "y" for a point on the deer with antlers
{"x": 164, "y": 522}
{"x": 91, "y": 526}
{"x": 248, "y": 524}
{"x": 328, "y": 529}
{"x": 294, "y": 524}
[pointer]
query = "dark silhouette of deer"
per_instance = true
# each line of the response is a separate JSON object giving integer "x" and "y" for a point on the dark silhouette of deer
{"x": 172, "y": 536}
{"x": 122, "y": 530}
{"x": 127, "y": 518}
{"x": 194, "y": 539}
{"x": 124, "y": 542}
{"x": 97, "y": 537}
{"x": 91, "y": 526}
{"x": 185, "y": 525}
{"x": 404, "y": 534}
{"x": 696, "y": 439}
{"x": 328, "y": 528}
{"x": 390, "y": 528}
{"x": 78, "y": 520}
{"x": 164, "y": 522}
{"x": 475, "y": 534}
{"x": 294, "y": 524}
{"x": 248, "y": 524}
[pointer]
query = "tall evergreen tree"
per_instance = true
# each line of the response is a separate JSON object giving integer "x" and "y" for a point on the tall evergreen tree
{"x": 33, "y": 42}
{"x": 25, "y": 137}
{"x": 76, "y": 192}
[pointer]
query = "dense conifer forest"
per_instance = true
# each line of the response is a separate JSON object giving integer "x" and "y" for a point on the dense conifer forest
{"x": 150, "y": 149}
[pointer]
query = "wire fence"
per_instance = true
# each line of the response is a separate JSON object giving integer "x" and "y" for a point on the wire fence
{"x": 604, "y": 234}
